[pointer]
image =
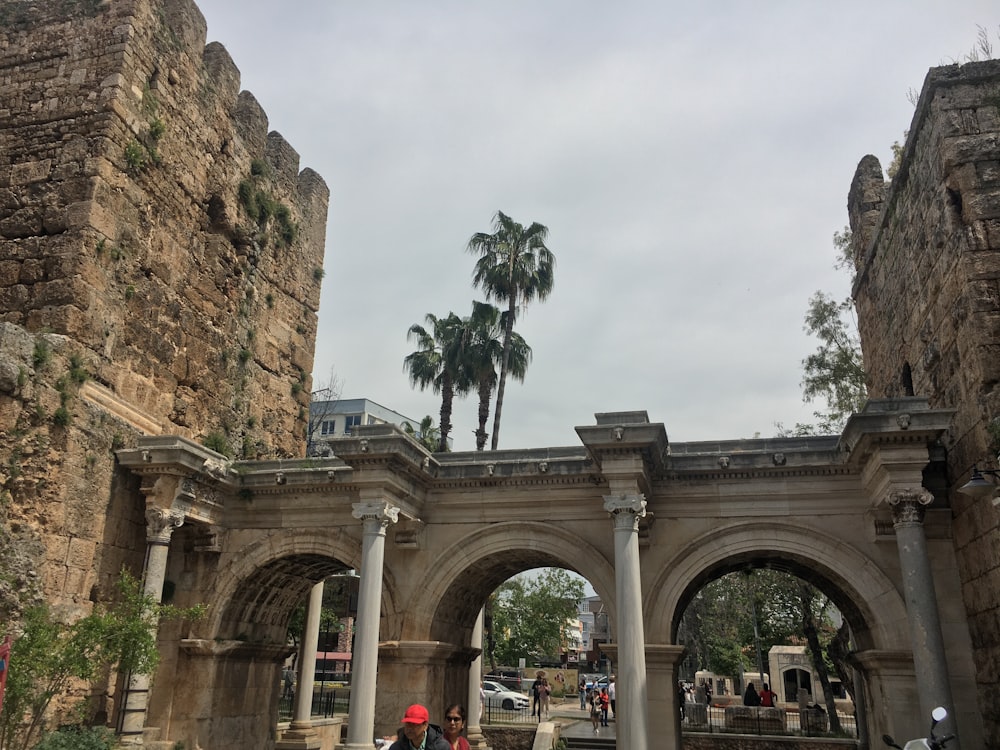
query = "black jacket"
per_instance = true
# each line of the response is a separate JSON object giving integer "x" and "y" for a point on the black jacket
{"x": 435, "y": 740}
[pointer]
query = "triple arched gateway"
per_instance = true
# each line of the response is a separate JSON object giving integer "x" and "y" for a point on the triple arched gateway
{"x": 864, "y": 515}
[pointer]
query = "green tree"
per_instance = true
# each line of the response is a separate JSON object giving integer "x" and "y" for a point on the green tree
{"x": 437, "y": 364}
{"x": 811, "y": 624}
{"x": 485, "y": 330}
{"x": 718, "y": 629}
{"x": 515, "y": 267}
{"x": 835, "y": 372}
{"x": 527, "y": 617}
{"x": 427, "y": 434}
{"x": 49, "y": 654}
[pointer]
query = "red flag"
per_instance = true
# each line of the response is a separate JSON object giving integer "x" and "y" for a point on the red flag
{"x": 4, "y": 666}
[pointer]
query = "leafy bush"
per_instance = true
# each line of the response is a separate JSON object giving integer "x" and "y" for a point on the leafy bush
{"x": 50, "y": 654}
{"x": 79, "y": 738}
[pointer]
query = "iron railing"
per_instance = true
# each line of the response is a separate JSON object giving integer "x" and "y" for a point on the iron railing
{"x": 747, "y": 720}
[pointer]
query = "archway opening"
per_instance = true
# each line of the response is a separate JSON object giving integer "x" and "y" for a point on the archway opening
{"x": 769, "y": 631}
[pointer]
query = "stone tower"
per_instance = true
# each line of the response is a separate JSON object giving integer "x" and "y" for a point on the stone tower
{"x": 927, "y": 252}
{"x": 161, "y": 256}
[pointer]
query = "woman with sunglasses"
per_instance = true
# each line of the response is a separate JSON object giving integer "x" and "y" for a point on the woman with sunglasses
{"x": 454, "y": 725}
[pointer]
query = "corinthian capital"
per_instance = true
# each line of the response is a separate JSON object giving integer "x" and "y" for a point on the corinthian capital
{"x": 380, "y": 512}
{"x": 908, "y": 505}
{"x": 626, "y": 510}
{"x": 161, "y": 523}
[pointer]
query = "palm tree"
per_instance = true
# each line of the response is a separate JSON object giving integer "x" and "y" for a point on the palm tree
{"x": 486, "y": 328}
{"x": 514, "y": 267}
{"x": 427, "y": 434}
{"x": 436, "y": 364}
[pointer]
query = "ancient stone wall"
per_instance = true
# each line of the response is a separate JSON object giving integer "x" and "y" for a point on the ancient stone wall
{"x": 160, "y": 263}
{"x": 927, "y": 251}
{"x": 147, "y": 213}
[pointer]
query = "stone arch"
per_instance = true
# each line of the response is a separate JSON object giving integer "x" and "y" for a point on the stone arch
{"x": 264, "y": 580}
{"x": 868, "y": 600}
{"x": 454, "y": 589}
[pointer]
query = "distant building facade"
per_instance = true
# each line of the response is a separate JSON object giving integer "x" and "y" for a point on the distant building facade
{"x": 337, "y": 418}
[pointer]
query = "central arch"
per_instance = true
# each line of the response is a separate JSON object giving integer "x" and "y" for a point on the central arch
{"x": 460, "y": 582}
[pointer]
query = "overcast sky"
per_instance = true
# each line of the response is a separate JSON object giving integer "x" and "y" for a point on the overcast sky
{"x": 691, "y": 161}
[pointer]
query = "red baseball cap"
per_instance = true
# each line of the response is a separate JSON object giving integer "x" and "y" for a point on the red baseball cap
{"x": 416, "y": 714}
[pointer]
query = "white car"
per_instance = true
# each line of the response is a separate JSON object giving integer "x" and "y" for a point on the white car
{"x": 497, "y": 696}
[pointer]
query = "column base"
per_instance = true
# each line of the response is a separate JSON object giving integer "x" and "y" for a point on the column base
{"x": 299, "y": 736}
{"x": 477, "y": 741}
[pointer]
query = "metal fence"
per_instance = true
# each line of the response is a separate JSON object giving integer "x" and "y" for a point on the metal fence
{"x": 326, "y": 702}
{"x": 494, "y": 714}
{"x": 762, "y": 721}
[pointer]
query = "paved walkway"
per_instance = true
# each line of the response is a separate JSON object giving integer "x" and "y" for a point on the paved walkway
{"x": 576, "y": 723}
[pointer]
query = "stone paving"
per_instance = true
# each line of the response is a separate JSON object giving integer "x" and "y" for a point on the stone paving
{"x": 576, "y": 723}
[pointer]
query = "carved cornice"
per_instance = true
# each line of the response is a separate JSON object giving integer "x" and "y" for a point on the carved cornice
{"x": 216, "y": 649}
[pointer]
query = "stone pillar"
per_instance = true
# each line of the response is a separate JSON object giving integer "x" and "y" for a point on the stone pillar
{"x": 474, "y": 731}
{"x": 300, "y": 734}
{"x": 375, "y": 518}
{"x": 933, "y": 684}
{"x": 662, "y": 663}
{"x": 160, "y": 526}
{"x": 631, "y": 726}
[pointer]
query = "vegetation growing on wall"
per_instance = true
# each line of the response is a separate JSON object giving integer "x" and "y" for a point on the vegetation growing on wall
{"x": 49, "y": 653}
{"x": 272, "y": 218}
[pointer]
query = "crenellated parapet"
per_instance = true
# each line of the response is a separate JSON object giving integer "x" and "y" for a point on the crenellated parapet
{"x": 157, "y": 220}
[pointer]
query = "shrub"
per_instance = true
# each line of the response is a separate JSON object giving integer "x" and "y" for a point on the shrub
{"x": 50, "y": 654}
{"x": 42, "y": 354}
{"x": 135, "y": 156}
{"x": 217, "y": 442}
{"x": 79, "y": 738}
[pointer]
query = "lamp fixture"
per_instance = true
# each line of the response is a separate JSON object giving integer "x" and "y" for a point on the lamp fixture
{"x": 978, "y": 485}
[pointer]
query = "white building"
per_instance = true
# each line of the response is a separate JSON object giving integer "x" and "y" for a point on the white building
{"x": 330, "y": 419}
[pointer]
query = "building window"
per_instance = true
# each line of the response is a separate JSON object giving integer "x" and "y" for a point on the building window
{"x": 328, "y": 427}
{"x": 351, "y": 421}
{"x": 371, "y": 420}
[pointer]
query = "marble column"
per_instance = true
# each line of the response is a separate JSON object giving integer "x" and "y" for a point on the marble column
{"x": 160, "y": 526}
{"x": 933, "y": 684}
{"x": 631, "y": 723}
{"x": 474, "y": 730}
{"x": 375, "y": 518}
{"x": 300, "y": 734}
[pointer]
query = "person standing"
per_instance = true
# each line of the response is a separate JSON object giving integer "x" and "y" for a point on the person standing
{"x": 767, "y": 697}
{"x": 612, "y": 692}
{"x": 594, "y": 703}
{"x": 454, "y": 725}
{"x": 605, "y": 703}
{"x": 536, "y": 687}
{"x": 681, "y": 699}
{"x": 582, "y": 689}
{"x": 544, "y": 691}
{"x": 418, "y": 733}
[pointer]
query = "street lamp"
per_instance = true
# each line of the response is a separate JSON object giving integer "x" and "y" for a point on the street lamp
{"x": 979, "y": 486}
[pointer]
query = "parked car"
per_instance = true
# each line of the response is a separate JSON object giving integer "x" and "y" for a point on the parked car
{"x": 509, "y": 678}
{"x": 597, "y": 679}
{"x": 497, "y": 696}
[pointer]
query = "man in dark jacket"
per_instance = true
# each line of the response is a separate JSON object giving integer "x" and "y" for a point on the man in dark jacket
{"x": 419, "y": 733}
